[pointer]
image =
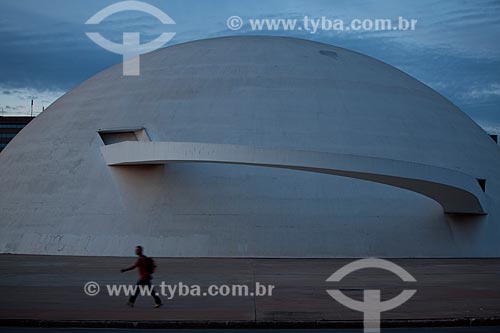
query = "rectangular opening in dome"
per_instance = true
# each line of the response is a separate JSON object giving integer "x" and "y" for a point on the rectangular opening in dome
{"x": 117, "y": 135}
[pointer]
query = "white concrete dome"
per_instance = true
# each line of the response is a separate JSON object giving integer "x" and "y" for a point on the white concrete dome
{"x": 62, "y": 195}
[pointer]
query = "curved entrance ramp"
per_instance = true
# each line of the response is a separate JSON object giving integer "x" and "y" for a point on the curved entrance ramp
{"x": 457, "y": 192}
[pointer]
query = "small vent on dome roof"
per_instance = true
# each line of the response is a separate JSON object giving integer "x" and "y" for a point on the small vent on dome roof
{"x": 330, "y": 54}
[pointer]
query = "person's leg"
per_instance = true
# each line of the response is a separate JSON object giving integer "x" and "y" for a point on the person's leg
{"x": 132, "y": 299}
{"x": 153, "y": 293}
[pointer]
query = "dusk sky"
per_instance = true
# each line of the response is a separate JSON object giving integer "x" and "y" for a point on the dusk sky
{"x": 454, "y": 49}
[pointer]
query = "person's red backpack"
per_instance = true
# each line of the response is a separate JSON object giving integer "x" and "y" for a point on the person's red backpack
{"x": 150, "y": 265}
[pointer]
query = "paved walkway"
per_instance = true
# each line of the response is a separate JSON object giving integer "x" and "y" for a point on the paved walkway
{"x": 49, "y": 289}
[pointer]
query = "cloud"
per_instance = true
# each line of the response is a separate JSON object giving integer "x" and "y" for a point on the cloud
{"x": 18, "y": 101}
{"x": 492, "y": 90}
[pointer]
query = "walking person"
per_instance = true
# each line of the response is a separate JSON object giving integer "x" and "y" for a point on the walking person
{"x": 146, "y": 267}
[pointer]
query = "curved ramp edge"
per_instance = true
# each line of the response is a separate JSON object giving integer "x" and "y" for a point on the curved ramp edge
{"x": 456, "y": 192}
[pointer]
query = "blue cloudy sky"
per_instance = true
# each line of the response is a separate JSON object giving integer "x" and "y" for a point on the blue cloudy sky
{"x": 455, "y": 48}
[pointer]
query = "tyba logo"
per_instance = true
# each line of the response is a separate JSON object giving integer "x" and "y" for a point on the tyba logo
{"x": 131, "y": 48}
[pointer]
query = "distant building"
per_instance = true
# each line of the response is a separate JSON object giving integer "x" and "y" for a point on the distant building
{"x": 10, "y": 126}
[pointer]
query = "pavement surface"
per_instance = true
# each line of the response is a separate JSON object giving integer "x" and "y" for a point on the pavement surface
{"x": 49, "y": 291}
{"x": 489, "y": 329}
